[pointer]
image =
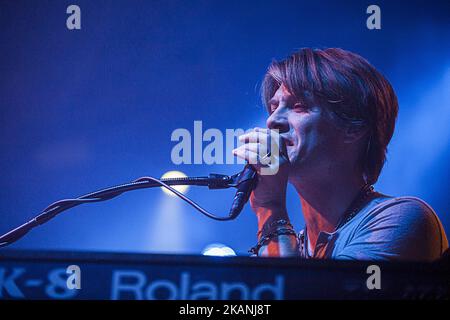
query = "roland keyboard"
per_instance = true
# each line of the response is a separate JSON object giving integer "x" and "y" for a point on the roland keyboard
{"x": 117, "y": 276}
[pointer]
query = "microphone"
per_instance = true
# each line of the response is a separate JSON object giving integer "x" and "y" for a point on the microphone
{"x": 246, "y": 181}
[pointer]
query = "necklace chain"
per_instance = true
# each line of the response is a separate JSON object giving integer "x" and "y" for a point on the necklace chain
{"x": 355, "y": 206}
{"x": 352, "y": 210}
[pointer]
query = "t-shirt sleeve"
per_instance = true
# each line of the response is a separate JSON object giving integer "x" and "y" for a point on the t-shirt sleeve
{"x": 400, "y": 229}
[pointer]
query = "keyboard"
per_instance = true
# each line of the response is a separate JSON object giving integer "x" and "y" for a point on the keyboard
{"x": 125, "y": 276}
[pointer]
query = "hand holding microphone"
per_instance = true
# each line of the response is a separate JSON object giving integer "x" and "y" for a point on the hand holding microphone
{"x": 265, "y": 151}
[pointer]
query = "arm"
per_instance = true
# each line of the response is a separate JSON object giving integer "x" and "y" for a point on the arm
{"x": 268, "y": 199}
{"x": 280, "y": 246}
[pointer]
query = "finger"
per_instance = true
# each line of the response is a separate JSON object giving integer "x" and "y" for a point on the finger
{"x": 252, "y": 146}
{"x": 261, "y": 150}
{"x": 254, "y": 136}
{"x": 250, "y": 156}
{"x": 260, "y": 134}
{"x": 274, "y": 133}
{"x": 261, "y": 129}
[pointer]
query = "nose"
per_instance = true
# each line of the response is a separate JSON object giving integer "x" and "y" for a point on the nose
{"x": 278, "y": 120}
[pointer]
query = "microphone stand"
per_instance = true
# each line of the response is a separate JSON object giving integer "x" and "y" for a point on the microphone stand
{"x": 243, "y": 181}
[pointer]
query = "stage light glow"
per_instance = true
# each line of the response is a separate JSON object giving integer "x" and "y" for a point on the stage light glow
{"x": 174, "y": 174}
{"x": 167, "y": 227}
{"x": 218, "y": 250}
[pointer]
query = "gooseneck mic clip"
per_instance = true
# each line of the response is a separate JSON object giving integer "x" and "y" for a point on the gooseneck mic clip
{"x": 244, "y": 181}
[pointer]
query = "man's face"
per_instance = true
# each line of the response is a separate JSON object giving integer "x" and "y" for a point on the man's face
{"x": 313, "y": 142}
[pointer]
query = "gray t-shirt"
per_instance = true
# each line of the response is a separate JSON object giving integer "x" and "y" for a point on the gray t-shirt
{"x": 387, "y": 228}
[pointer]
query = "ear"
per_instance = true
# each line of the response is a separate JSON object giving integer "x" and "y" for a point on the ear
{"x": 354, "y": 133}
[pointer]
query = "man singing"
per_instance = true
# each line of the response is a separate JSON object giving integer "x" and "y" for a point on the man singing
{"x": 335, "y": 115}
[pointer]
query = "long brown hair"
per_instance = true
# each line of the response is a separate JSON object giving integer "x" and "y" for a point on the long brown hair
{"x": 350, "y": 87}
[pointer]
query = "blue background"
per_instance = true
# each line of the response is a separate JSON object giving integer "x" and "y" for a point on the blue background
{"x": 85, "y": 109}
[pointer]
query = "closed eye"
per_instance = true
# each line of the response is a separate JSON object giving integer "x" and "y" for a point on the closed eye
{"x": 273, "y": 107}
{"x": 300, "y": 107}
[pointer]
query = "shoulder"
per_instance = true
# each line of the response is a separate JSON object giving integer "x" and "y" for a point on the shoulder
{"x": 407, "y": 210}
{"x": 405, "y": 226}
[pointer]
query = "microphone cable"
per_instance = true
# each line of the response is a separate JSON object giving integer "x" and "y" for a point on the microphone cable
{"x": 213, "y": 181}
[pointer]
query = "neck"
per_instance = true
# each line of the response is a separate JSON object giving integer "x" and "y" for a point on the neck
{"x": 325, "y": 200}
